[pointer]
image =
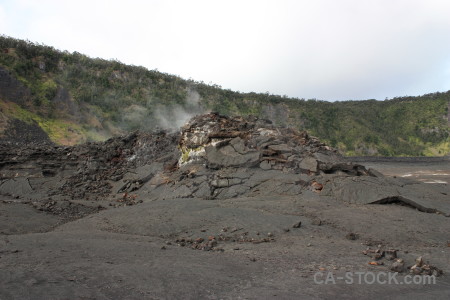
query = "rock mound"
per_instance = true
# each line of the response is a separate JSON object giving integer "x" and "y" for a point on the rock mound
{"x": 221, "y": 142}
{"x": 223, "y": 157}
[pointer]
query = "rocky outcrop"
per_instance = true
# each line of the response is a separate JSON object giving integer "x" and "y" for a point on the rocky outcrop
{"x": 17, "y": 132}
{"x": 12, "y": 89}
{"x": 224, "y": 157}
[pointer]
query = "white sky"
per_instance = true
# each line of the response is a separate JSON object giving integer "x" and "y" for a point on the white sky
{"x": 324, "y": 49}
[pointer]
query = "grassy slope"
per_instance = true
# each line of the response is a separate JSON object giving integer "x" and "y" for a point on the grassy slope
{"x": 108, "y": 97}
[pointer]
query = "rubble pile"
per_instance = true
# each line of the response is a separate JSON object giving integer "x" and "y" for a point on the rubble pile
{"x": 422, "y": 268}
{"x": 103, "y": 163}
{"x": 213, "y": 242}
{"x": 85, "y": 171}
{"x": 65, "y": 209}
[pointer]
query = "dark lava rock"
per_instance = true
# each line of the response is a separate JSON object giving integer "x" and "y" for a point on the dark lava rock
{"x": 351, "y": 236}
{"x": 398, "y": 266}
{"x": 297, "y": 224}
{"x": 316, "y": 221}
{"x": 390, "y": 254}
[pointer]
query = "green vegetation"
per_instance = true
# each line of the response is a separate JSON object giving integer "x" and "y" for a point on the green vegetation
{"x": 76, "y": 98}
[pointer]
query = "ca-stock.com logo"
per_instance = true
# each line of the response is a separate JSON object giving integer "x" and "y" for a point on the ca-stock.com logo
{"x": 373, "y": 278}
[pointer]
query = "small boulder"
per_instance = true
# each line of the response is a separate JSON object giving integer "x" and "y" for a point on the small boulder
{"x": 297, "y": 224}
{"x": 308, "y": 163}
{"x": 398, "y": 266}
{"x": 351, "y": 236}
{"x": 265, "y": 165}
{"x": 316, "y": 222}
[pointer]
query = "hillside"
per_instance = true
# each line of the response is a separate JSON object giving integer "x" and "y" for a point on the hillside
{"x": 73, "y": 98}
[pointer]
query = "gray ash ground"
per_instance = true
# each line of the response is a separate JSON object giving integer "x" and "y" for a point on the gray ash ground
{"x": 265, "y": 208}
{"x": 433, "y": 172}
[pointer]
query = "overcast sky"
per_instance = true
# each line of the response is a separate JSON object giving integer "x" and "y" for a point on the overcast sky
{"x": 324, "y": 49}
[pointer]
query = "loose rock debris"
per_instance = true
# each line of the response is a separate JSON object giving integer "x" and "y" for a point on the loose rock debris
{"x": 421, "y": 268}
{"x": 398, "y": 265}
